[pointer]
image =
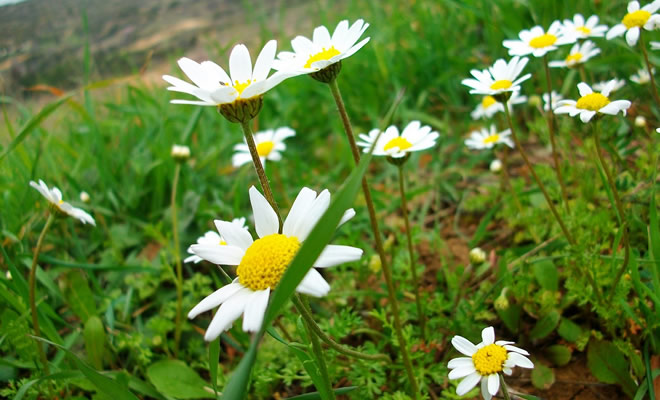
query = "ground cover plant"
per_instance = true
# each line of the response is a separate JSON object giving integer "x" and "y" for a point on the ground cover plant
{"x": 397, "y": 200}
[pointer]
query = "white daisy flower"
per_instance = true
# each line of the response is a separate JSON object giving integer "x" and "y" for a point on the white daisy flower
{"x": 600, "y": 86}
{"x": 489, "y": 106}
{"x": 500, "y": 78}
{"x": 262, "y": 262}
{"x": 310, "y": 56}
{"x": 635, "y": 19}
{"x": 269, "y": 145}
{"x": 579, "y": 54}
{"x": 213, "y": 86}
{"x": 538, "y": 42}
{"x": 487, "y": 139}
{"x": 484, "y": 362}
{"x": 590, "y": 103}
{"x": 212, "y": 238}
{"x": 414, "y": 137}
{"x": 584, "y": 29}
{"x": 655, "y": 45}
{"x": 54, "y": 197}
{"x": 642, "y": 76}
{"x": 556, "y": 98}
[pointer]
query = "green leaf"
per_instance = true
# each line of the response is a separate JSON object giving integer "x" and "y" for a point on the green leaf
{"x": 608, "y": 365}
{"x": 58, "y": 376}
{"x": 317, "y": 396}
{"x": 511, "y": 317}
{"x": 542, "y": 376}
{"x": 569, "y": 330}
{"x": 94, "y": 334}
{"x": 174, "y": 378}
{"x": 481, "y": 231}
{"x": 34, "y": 122}
{"x": 214, "y": 355}
{"x": 310, "y": 250}
{"x": 545, "y": 325}
{"x": 102, "y": 383}
{"x": 79, "y": 296}
{"x": 546, "y": 275}
{"x": 560, "y": 355}
{"x": 654, "y": 240}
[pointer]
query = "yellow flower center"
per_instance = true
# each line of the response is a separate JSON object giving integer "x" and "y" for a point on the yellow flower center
{"x": 492, "y": 139}
{"x": 223, "y": 243}
{"x": 264, "y": 148}
{"x": 636, "y": 19}
{"x": 490, "y": 359}
{"x": 501, "y": 84}
{"x": 399, "y": 142}
{"x": 488, "y": 101}
{"x": 583, "y": 29}
{"x": 240, "y": 87}
{"x": 265, "y": 261}
{"x": 573, "y": 58}
{"x": 592, "y": 102}
{"x": 542, "y": 41}
{"x": 322, "y": 55}
{"x": 60, "y": 202}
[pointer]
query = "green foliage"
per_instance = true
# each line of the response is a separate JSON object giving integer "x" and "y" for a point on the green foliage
{"x": 174, "y": 378}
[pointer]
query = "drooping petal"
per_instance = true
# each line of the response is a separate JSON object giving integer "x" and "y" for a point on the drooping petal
{"x": 468, "y": 383}
{"x": 493, "y": 384}
{"x": 215, "y": 299}
{"x": 228, "y": 312}
{"x": 255, "y": 310}
{"x": 313, "y": 284}
{"x": 334, "y": 254}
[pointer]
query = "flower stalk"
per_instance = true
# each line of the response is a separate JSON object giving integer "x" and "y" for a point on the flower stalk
{"x": 505, "y": 391}
{"x": 654, "y": 88}
{"x": 550, "y": 118}
{"x": 177, "y": 258}
{"x": 411, "y": 254}
{"x": 33, "y": 283}
{"x": 387, "y": 272}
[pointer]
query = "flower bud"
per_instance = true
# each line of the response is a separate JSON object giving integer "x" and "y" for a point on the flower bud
{"x": 640, "y": 121}
{"x": 477, "y": 256}
{"x": 375, "y": 264}
{"x": 84, "y": 197}
{"x": 535, "y": 101}
{"x": 502, "y": 302}
{"x": 180, "y": 153}
{"x": 496, "y": 166}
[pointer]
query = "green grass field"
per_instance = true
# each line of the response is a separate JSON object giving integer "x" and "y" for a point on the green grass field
{"x": 107, "y": 294}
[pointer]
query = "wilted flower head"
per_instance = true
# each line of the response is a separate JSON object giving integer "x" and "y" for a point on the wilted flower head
{"x": 54, "y": 197}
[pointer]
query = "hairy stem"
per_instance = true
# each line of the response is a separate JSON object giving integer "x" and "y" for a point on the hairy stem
{"x": 177, "y": 258}
{"x": 33, "y": 283}
{"x": 411, "y": 254}
{"x": 302, "y": 304}
{"x": 550, "y": 118}
{"x": 505, "y": 391}
{"x": 258, "y": 166}
{"x": 387, "y": 272}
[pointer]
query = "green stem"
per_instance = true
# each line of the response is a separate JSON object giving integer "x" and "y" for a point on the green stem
{"x": 654, "y": 89}
{"x": 583, "y": 74}
{"x": 33, "y": 283}
{"x": 258, "y": 166}
{"x": 306, "y": 315}
{"x": 550, "y": 118}
{"x": 302, "y": 304}
{"x": 411, "y": 253}
{"x": 177, "y": 258}
{"x": 387, "y": 272}
{"x": 567, "y": 234}
{"x": 619, "y": 207}
{"x": 505, "y": 391}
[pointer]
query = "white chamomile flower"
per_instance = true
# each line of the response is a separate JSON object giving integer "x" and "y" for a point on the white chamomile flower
{"x": 642, "y": 76}
{"x": 262, "y": 262}
{"x": 489, "y": 106}
{"x": 54, "y": 197}
{"x": 212, "y": 238}
{"x": 584, "y": 29}
{"x": 655, "y": 45}
{"x": 591, "y": 103}
{"x": 495, "y": 166}
{"x": 414, "y": 137}
{"x": 487, "y": 139}
{"x": 310, "y": 56}
{"x": 484, "y": 362}
{"x": 269, "y": 145}
{"x": 634, "y": 20}
{"x": 579, "y": 54}
{"x": 500, "y": 78}
{"x": 538, "y": 42}
{"x": 180, "y": 152}
{"x": 213, "y": 86}
{"x": 600, "y": 86}
{"x": 556, "y": 98}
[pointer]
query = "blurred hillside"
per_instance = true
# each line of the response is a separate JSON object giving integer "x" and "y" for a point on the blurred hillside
{"x": 42, "y": 42}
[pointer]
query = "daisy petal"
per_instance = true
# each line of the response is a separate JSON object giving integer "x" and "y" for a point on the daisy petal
{"x": 255, "y": 310}
{"x": 467, "y": 384}
{"x": 265, "y": 219}
{"x": 337, "y": 254}
{"x": 215, "y": 299}
{"x": 463, "y": 345}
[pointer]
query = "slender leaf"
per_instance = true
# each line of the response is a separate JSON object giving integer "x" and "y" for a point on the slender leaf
{"x": 214, "y": 355}
{"x": 317, "y": 396}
